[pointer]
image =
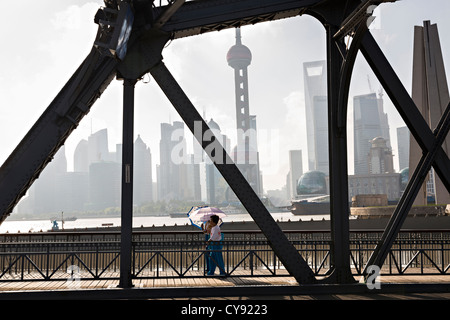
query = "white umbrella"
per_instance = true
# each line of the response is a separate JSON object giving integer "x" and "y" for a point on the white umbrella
{"x": 199, "y": 215}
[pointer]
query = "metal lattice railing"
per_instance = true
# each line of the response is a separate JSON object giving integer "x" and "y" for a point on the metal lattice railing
{"x": 247, "y": 254}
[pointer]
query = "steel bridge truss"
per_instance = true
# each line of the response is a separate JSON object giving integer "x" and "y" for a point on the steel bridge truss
{"x": 129, "y": 44}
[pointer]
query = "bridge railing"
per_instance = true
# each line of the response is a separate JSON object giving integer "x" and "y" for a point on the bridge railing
{"x": 173, "y": 255}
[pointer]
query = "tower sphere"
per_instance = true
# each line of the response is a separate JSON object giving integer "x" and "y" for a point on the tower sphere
{"x": 239, "y": 56}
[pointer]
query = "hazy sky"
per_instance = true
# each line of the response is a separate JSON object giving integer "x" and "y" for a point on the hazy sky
{"x": 45, "y": 41}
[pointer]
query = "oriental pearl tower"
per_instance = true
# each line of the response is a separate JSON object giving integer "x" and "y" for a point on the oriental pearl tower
{"x": 245, "y": 154}
{"x": 239, "y": 58}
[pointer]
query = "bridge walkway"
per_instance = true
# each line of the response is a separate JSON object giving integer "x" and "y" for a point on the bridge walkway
{"x": 236, "y": 287}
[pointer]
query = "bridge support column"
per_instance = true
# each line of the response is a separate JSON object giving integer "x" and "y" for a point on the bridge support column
{"x": 337, "y": 135}
{"x": 127, "y": 184}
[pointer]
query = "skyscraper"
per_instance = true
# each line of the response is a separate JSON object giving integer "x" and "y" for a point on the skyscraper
{"x": 142, "y": 181}
{"x": 380, "y": 157}
{"x": 48, "y": 193}
{"x": 80, "y": 157}
{"x": 316, "y": 110}
{"x": 384, "y": 121}
{"x": 98, "y": 146}
{"x": 403, "y": 147}
{"x": 215, "y": 185}
{"x": 370, "y": 122}
{"x": 430, "y": 94}
{"x": 171, "y": 153}
{"x": 103, "y": 173}
{"x": 94, "y": 149}
{"x": 104, "y": 185}
{"x": 96, "y": 169}
{"x": 295, "y": 172}
{"x": 245, "y": 154}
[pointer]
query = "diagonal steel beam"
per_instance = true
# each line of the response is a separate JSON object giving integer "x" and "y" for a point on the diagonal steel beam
{"x": 285, "y": 251}
{"x": 401, "y": 211}
{"x": 405, "y": 105}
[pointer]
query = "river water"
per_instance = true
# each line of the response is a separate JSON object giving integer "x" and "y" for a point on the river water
{"x": 13, "y": 226}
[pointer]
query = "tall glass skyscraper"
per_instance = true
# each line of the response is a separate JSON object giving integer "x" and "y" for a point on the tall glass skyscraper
{"x": 143, "y": 181}
{"x": 403, "y": 147}
{"x": 316, "y": 109}
{"x": 369, "y": 122}
{"x": 171, "y": 148}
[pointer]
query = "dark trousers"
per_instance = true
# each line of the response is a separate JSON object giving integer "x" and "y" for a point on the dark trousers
{"x": 215, "y": 259}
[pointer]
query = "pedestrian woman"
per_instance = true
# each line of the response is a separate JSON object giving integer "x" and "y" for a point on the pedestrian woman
{"x": 215, "y": 246}
{"x": 206, "y": 228}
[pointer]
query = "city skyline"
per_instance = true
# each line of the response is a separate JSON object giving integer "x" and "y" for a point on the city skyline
{"x": 95, "y": 183}
{"x": 64, "y": 34}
